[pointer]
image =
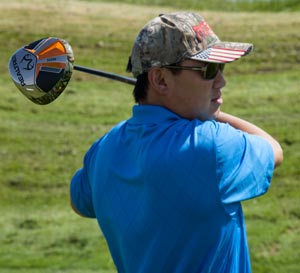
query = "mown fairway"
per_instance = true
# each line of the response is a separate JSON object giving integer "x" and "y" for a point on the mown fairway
{"x": 42, "y": 146}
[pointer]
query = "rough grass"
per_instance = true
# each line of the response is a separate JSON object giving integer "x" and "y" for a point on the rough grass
{"x": 42, "y": 146}
{"x": 224, "y": 5}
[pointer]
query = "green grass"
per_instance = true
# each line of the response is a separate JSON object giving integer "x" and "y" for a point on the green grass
{"x": 224, "y": 5}
{"x": 42, "y": 146}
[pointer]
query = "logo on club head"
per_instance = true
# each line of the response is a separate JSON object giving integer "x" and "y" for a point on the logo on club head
{"x": 29, "y": 65}
{"x": 17, "y": 70}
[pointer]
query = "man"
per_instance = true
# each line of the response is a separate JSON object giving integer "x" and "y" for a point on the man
{"x": 166, "y": 185}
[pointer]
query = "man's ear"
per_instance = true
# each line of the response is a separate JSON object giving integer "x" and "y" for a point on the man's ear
{"x": 157, "y": 80}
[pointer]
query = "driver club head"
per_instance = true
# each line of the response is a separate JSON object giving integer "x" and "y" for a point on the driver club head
{"x": 42, "y": 69}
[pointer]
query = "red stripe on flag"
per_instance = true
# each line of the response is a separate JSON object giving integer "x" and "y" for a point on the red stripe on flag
{"x": 228, "y": 49}
{"x": 226, "y": 55}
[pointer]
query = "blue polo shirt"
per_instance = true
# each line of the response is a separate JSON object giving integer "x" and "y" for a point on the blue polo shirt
{"x": 166, "y": 192}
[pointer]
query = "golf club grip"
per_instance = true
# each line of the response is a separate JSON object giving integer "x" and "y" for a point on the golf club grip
{"x": 104, "y": 74}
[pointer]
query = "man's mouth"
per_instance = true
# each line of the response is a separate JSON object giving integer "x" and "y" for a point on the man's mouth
{"x": 217, "y": 99}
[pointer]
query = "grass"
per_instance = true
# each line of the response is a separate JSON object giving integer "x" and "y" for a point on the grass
{"x": 225, "y": 5}
{"x": 42, "y": 146}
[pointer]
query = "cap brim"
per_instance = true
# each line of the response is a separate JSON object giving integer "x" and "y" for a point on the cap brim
{"x": 223, "y": 52}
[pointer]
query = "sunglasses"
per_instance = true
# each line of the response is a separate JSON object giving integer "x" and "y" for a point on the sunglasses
{"x": 209, "y": 71}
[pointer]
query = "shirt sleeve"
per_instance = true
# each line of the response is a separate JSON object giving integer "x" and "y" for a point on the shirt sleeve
{"x": 245, "y": 164}
{"x": 80, "y": 188}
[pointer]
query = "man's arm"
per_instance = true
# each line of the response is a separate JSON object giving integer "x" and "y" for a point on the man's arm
{"x": 250, "y": 128}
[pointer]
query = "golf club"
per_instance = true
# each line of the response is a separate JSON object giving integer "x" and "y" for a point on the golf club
{"x": 104, "y": 74}
{"x": 42, "y": 69}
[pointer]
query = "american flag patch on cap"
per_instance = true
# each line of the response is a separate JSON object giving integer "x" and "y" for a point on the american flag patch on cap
{"x": 223, "y": 53}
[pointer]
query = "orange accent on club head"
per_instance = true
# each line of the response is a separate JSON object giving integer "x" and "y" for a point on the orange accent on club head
{"x": 56, "y": 65}
{"x": 30, "y": 50}
{"x": 56, "y": 49}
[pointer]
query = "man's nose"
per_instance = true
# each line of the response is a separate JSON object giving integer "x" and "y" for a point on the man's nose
{"x": 219, "y": 81}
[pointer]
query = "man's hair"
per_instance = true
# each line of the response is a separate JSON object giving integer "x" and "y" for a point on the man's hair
{"x": 142, "y": 84}
{"x": 141, "y": 87}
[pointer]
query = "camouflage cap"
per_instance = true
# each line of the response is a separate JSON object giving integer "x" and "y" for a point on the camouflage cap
{"x": 171, "y": 38}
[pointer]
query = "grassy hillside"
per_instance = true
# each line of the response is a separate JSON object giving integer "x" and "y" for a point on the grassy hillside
{"x": 217, "y": 5}
{"x": 42, "y": 146}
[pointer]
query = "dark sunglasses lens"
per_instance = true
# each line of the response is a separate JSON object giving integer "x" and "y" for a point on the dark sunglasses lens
{"x": 221, "y": 67}
{"x": 213, "y": 69}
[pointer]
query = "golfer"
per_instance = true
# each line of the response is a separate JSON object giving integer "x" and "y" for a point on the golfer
{"x": 166, "y": 185}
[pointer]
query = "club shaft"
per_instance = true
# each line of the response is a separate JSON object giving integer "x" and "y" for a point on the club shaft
{"x": 104, "y": 74}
